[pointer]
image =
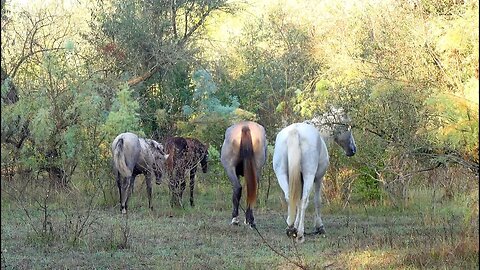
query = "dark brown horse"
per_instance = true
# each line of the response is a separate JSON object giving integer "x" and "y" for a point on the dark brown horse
{"x": 184, "y": 155}
{"x": 133, "y": 156}
{"x": 244, "y": 152}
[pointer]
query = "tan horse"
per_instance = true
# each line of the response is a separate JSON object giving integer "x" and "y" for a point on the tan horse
{"x": 133, "y": 156}
{"x": 243, "y": 153}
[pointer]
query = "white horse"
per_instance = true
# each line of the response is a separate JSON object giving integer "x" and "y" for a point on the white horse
{"x": 300, "y": 160}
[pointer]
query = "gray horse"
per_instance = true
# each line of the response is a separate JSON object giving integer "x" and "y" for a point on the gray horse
{"x": 133, "y": 156}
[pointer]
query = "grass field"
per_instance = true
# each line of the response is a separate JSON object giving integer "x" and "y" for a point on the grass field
{"x": 438, "y": 234}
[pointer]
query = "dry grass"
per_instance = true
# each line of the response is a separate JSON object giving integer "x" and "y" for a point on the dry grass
{"x": 358, "y": 237}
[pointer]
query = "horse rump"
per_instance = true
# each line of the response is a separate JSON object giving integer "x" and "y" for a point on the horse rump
{"x": 119, "y": 162}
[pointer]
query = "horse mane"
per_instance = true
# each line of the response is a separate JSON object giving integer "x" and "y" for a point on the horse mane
{"x": 249, "y": 170}
{"x": 329, "y": 121}
{"x": 295, "y": 186}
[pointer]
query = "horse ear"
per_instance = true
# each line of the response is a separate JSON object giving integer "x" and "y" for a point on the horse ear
{"x": 150, "y": 143}
{"x": 155, "y": 145}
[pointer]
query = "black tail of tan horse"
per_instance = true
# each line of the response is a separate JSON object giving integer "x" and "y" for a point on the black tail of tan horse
{"x": 249, "y": 169}
{"x": 243, "y": 153}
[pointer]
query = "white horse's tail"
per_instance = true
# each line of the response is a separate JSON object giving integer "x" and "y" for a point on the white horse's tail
{"x": 294, "y": 172}
{"x": 119, "y": 159}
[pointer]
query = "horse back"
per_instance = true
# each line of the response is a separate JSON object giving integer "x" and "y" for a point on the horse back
{"x": 196, "y": 149}
{"x": 175, "y": 147}
{"x": 146, "y": 158}
{"x": 233, "y": 139}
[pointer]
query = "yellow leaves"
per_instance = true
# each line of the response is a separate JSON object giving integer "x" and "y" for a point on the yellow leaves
{"x": 453, "y": 39}
{"x": 457, "y": 42}
{"x": 471, "y": 91}
{"x": 457, "y": 125}
{"x": 380, "y": 89}
{"x": 241, "y": 114}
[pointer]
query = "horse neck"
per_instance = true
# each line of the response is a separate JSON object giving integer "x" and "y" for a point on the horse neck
{"x": 328, "y": 139}
{"x": 327, "y": 134}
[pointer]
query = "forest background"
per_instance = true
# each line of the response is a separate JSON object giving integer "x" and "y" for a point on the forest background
{"x": 74, "y": 74}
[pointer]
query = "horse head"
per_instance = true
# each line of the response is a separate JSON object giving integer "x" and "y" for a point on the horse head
{"x": 343, "y": 136}
{"x": 335, "y": 123}
{"x": 204, "y": 160}
{"x": 342, "y": 130}
{"x": 159, "y": 158}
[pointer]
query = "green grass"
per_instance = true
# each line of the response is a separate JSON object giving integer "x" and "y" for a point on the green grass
{"x": 358, "y": 237}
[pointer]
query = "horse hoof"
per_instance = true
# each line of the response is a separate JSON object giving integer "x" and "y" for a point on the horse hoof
{"x": 235, "y": 221}
{"x": 291, "y": 232}
{"x": 124, "y": 211}
{"x": 300, "y": 239}
{"x": 320, "y": 231}
{"x": 250, "y": 224}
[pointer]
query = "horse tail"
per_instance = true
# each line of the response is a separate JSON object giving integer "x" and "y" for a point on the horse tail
{"x": 119, "y": 159}
{"x": 294, "y": 174}
{"x": 249, "y": 168}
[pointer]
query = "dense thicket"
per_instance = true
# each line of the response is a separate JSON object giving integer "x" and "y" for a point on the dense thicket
{"x": 406, "y": 71}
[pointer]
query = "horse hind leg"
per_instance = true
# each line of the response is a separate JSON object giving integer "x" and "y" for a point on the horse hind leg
{"x": 119, "y": 185}
{"x": 176, "y": 185}
{"x": 307, "y": 186}
{"x": 183, "y": 185}
{"x": 318, "y": 223}
{"x": 192, "y": 185}
{"x": 236, "y": 194}
{"x": 125, "y": 188}
{"x": 249, "y": 218}
{"x": 130, "y": 186}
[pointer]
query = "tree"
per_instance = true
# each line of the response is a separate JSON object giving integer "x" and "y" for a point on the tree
{"x": 267, "y": 64}
{"x": 151, "y": 45}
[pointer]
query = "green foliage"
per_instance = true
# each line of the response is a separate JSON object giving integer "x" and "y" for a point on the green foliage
{"x": 266, "y": 64}
{"x": 367, "y": 189}
{"x": 311, "y": 101}
{"x": 123, "y": 116}
{"x": 204, "y": 97}
{"x": 206, "y": 127}
{"x": 213, "y": 154}
{"x": 407, "y": 74}
{"x": 152, "y": 44}
{"x": 42, "y": 127}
